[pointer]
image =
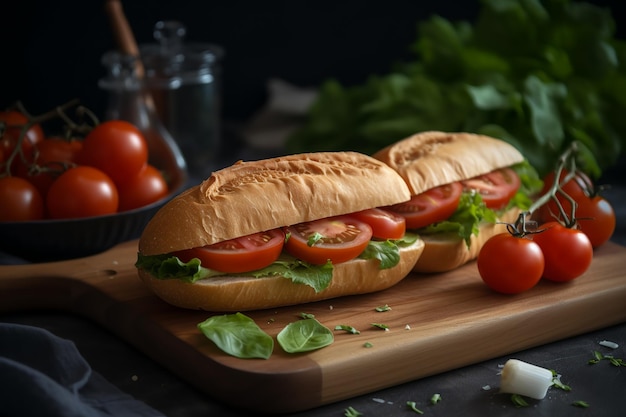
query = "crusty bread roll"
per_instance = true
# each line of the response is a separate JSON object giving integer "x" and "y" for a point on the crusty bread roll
{"x": 256, "y": 196}
{"x": 430, "y": 159}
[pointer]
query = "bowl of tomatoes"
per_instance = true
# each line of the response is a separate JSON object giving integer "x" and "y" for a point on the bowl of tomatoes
{"x": 64, "y": 197}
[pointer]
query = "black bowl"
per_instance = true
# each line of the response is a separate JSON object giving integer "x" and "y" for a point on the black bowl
{"x": 55, "y": 240}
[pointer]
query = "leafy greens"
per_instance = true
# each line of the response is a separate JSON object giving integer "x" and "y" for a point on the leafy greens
{"x": 537, "y": 74}
{"x": 317, "y": 277}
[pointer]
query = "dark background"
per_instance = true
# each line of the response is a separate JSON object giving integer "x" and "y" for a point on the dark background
{"x": 51, "y": 50}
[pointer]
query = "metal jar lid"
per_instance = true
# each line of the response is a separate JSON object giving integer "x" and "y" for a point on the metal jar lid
{"x": 172, "y": 62}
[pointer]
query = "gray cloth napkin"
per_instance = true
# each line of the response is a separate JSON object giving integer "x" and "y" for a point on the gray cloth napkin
{"x": 44, "y": 375}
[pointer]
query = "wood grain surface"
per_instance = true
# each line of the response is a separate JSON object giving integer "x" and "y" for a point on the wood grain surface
{"x": 436, "y": 323}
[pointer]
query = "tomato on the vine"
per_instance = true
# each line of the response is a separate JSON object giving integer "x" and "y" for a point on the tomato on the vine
{"x": 19, "y": 200}
{"x": 335, "y": 239}
{"x": 577, "y": 188}
{"x": 144, "y": 188}
{"x": 243, "y": 254}
{"x": 496, "y": 188}
{"x": 509, "y": 264}
{"x": 117, "y": 148}
{"x": 594, "y": 213}
{"x": 82, "y": 191}
{"x": 50, "y": 158}
{"x": 596, "y": 219}
{"x": 567, "y": 251}
{"x": 13, "y": 122}
{"x": 384, "y": 223}
{"x": 432, "y": 206}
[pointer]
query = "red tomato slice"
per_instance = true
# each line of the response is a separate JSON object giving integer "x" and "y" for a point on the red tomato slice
{"x": 432, "y": 206}
{"x": 337, "y": 239}
{"x": 496, "y": 188}
{"x": 384, "y": 223}
{"x": 243, "y": 254}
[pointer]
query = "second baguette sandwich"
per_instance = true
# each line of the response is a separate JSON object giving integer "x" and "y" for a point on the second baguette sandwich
{"x": 464, "y": 187}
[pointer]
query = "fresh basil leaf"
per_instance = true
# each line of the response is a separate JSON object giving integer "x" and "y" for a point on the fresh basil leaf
{"x": 317, "y": 277}
{"x": 465, "y": 221}
{"x": 304, "y": 336}
{"x": 238, "y": 335}
{"x": 387, "y": 252}
{"x": 170, "y": 267}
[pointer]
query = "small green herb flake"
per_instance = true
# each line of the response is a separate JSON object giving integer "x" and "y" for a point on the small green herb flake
{"x": 581, "y": 404}
{"x": 413, "y": 406}
{"x": 367, "y": 345}
{"x": 518, "y": 400}
{"x": 381, "y": 326}
{"x": 598, "y": 356}
{"x": 382, "y": 309}
{"x": 556, "y": 381}
{"x": 351, "y": 412}
{"x": 436, "y": 398}
{"x": 314, "y": 238}
{"x": 306, "y": 316}
{"x": 347, "y": 328}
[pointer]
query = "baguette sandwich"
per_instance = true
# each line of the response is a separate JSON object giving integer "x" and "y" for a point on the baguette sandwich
{"x": 280, "y": 231}
{"x": 464, "y": 188}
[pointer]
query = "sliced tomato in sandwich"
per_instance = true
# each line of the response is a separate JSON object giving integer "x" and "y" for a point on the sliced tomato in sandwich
{"x": 496, "y": 188}
{"x": 384, "y": 223}
{"x": 432, "y": 206}
{"x": 336, "y": 239}
{"x": 246, "y": 253}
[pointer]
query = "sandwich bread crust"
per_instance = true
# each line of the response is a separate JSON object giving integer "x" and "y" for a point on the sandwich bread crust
{"x": 429, "y": 159}
{"x": 250, "y": 197}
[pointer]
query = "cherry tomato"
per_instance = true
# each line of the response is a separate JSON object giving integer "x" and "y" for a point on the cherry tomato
{"x": 144, "y": 188}
{"x": 594, "y": 213}
{"x": 13, "y": 121}
{"x": 596, "y": 219}
{"x": 337, "y": 239}
{"x": 117, "y": 148}
{"x": 496, "y": 188}
{"x": 82, "y": 191}
{"x": 432, "y": 206}
{"x": 578, "y": 188}
{"x": 20, "y": 200}
{"x": 510, "y": 264}
{"x": 50, "y": 158}
{"x": 54, "y": 150}
{"x": 384, "y": 223}
{"x": 243, "y": 254}
{"x": 568, "y": 252}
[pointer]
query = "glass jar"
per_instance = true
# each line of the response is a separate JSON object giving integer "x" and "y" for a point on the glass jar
{"x": 129, "y": 100}
{"x": 184, "y": 81}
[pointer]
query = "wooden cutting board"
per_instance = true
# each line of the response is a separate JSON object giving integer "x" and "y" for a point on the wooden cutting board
{"x": 436, "y": 323}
